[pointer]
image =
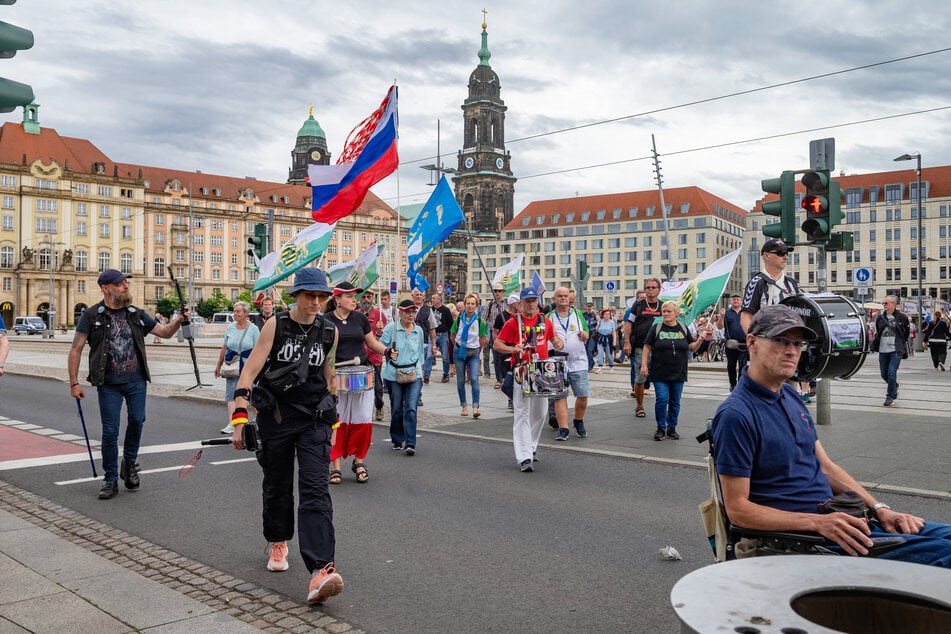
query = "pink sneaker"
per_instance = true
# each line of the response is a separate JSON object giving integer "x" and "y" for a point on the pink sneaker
{"x": 277, "y": 557}
{"x": 324, "y": 584}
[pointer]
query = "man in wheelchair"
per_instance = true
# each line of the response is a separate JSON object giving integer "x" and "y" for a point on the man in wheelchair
{"x": 774, "y": 474}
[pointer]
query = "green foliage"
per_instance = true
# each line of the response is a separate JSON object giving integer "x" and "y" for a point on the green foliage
{"x": 217, "y": 303}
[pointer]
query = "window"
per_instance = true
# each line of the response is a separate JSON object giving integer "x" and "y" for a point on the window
{"x": 105, "y": 261}
{"x": 8, "y": 223}
{"x": 6, "y": 257}
{"x": 126, "y": 212}
{"x": 585, "y": 215}
{"x": 81, "y": 259}
{"x": 158, "y": 267}
{"x": 7, "y": 202}
{"x": 893, "y": 194}
{"x": 853, "y": 197}
{"x": 81, "y": 228}
{"x": 105, "y": 190}
{"x": 42, "y": 204}
{"x": 46, "y": 225}
{"x": 104, "y": 211}
{"x": 160, "y": 237}
{"x": 126, "y": 231}
{"x": 125, "y": 263}
{"x": 103, "y": 230}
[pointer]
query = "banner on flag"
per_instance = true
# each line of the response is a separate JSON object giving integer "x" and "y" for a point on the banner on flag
{"x": 509, "y": 275}
{"x": 362, "y": 272}
{"x": 369, "y": 156}
{"x": 538, "y": 285}
{"x": 703, "y": 291}
{"x": 438, "y": 218}
{"x": 301, "y": 250}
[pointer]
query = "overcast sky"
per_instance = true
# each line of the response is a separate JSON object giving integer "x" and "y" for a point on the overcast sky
{"x": 222, "y": 86}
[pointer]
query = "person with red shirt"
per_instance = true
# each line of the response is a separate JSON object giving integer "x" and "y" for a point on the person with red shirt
{"x": 526, "y": 338}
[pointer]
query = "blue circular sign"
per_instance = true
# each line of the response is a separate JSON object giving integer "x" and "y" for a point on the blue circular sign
{"x": 863, "y": 275}
{"x": 448, "y": 290}
{"x": 610, "y": 286}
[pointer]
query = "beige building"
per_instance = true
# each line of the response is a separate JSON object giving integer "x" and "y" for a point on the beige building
{"x": 620, "y": 236}
{"x": 67, "y": 211}
{"x": 881, "y": 210}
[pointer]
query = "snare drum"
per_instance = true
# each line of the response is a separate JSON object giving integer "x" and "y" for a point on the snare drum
{"x": 354, "y": 378}
{"x": 843, "y": 338}
{"x": 546, "y": 378}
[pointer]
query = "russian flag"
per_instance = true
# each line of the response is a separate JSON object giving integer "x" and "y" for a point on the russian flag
{"x": 369, "y": 156}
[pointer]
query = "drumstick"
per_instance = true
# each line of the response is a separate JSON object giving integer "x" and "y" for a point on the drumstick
{"x": 354, "y": 361}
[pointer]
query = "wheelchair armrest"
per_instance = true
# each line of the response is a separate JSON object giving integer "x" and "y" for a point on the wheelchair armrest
{"x": 804, "y": 538}
{"x": 791, "y": 539}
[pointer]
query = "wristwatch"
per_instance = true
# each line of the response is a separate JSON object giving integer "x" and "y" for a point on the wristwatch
{"x": 880, "y": 505}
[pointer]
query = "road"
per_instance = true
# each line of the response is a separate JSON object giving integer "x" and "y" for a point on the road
{"x": 454, "y": 539}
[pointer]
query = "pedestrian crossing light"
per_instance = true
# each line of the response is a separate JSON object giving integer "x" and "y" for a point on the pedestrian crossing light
{"x": 822, "y": 204}
{"x": 258, "y": 241}
{"x": 13, "y": 39}
{"x": 785, "y": 207}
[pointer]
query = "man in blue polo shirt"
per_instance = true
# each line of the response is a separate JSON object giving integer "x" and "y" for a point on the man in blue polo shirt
{"x": 773, "y": 470}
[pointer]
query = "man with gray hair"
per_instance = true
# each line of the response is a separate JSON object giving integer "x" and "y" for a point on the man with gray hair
{"x": 891, "y": 342}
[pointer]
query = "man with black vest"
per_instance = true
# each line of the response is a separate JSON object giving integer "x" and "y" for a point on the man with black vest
{"x": 116, "y": 330}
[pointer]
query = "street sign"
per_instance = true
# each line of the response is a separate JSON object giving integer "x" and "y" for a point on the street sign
{"x": 393, "y": 288}
{"x": 610, "y": 287}
{"x": 440, "y": 288}
{"x": 448, "y": 290}
{"x": 862, "y": 277}
{"x": 862, "y": 291}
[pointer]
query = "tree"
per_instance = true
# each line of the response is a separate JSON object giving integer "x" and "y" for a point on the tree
{"x": 217, "y": 303}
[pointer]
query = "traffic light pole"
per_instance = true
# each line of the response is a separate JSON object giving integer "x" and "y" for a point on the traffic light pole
{"x": 823, "y": 386}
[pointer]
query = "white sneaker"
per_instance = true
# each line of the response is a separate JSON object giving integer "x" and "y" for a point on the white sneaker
{"x": 277, "y": 557}
{"x": 227, "y": 429}
{"x": 598, "y": 371}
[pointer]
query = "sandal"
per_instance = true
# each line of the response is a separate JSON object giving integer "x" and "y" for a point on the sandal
{"x": 335, "y": 477}
{"x": 639, "y": 412}
{"x": 475, "y": 412}
{"x": 361, "y": 470}
{"x": 498, "y": 385}
{"x": 465, "y": 410}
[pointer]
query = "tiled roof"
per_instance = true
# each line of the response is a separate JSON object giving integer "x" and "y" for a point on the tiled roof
{"x": 79, "y": 155}
{"x": 701, "y": 203}
{"x": 939, "y": 179}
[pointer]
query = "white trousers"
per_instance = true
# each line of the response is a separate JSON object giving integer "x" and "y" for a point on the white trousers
{"x": 530, "y": 416}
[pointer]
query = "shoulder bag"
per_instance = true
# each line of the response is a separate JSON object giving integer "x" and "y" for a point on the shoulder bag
{"x": 404, "y": 373}
{"x": 232, "y": 368}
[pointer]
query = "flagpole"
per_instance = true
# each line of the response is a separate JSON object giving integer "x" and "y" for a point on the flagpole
{"x": 399, "y": 222}
{"x": 488, "y": 280}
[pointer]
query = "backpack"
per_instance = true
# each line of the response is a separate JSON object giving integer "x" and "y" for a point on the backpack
{"x": 683, "y": 329}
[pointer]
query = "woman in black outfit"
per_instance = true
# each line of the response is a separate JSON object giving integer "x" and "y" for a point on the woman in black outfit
{"x": 936, "y": 340}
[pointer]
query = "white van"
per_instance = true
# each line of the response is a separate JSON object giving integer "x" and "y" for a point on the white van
{"x": 32, "y": 325}
{"x": 222, "y": 318}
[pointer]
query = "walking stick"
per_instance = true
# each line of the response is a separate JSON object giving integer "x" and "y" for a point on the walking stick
{"x": 82, "y": 419}
{"x": 187, "y": 332}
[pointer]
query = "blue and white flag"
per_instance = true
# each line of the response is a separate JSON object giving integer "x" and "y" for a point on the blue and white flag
{"x": 538, "y": 285}
{"x": 439, "y": 217}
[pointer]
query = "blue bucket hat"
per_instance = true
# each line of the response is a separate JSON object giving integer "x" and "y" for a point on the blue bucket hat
{"x": 310, "y": 279}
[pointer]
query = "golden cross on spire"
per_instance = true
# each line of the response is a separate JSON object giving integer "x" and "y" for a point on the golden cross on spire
{"x": 483, "y": 18}
{"x": 312, "y": 110}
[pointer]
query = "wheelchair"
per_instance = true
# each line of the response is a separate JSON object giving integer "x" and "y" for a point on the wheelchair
{"x": 730, "y": 541}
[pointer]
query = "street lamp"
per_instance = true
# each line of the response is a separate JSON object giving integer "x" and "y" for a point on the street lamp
{"x": 51, "y": 311}
{"x": 916, "y": 156}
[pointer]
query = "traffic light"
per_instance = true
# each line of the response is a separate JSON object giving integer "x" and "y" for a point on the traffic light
{"x": 13, "y": 39}
{"x": 258, "y": 241}
{"x": 582, "y": 269}
{"x": 823, "y": 205}
{"x": 785, "y": 207}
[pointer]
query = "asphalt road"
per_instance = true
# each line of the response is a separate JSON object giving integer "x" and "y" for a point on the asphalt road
{"x": 454, "y": 539}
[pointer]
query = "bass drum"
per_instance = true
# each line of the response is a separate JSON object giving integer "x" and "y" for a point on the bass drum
{"x": 843, "y": 336}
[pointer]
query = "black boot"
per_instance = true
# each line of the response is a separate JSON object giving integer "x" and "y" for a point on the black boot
{"x": 108, "y": 490}
{"x": 129, "y": 472}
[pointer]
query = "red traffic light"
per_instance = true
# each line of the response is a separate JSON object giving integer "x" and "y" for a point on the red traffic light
{"x": 813, "y": 204}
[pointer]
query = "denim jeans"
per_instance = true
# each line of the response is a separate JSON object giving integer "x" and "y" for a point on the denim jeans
{"x": 590, "y": 348}
{"x": 442, "y": 342}
{"x": 428, "y": 361}
{"x": 404, "y": 398}
{"x": 888, "y": 363}
{"x": 110, "y": 406}
{"x": 605, "y": 356}
{"x": 473, "y": 364}
{"x": 297, "y": 435}
{"x": 667, "y": 403}
{"x": 931, "y": 546}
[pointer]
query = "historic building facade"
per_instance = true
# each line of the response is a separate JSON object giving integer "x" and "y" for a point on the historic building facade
{"x": 621, "y": 238}
{"x": 68, "y": 211}
{"x": 484, "y": 184}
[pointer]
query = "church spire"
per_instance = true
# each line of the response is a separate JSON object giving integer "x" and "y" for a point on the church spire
{"x": 484, "y": 53}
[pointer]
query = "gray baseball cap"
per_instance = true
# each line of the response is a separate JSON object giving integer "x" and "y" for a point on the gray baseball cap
{"x": 773, "y": 321}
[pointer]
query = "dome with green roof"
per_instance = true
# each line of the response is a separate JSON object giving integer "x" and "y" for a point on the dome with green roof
{"x": 311, "y": 127}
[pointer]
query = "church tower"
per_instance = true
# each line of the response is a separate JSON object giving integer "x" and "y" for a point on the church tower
{"x": 485, "y": 186}
{"x": 310, "y": 149}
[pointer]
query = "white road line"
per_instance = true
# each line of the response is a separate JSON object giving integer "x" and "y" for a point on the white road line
{"x": 45, "y": 461}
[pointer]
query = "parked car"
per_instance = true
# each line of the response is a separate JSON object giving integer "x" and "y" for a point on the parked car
{"x": 31, "y": 325}
{"x": 222, "y": 318}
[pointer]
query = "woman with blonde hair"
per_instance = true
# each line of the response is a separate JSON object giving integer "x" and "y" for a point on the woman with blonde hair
{"x": 666, "y": 347}
{"x": 469, "y": 333}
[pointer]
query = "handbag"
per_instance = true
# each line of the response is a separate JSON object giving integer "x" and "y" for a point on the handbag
{"x": 232, "y": 369}
{"x": 403, "y": 375}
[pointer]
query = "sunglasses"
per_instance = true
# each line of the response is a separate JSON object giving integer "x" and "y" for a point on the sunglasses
{"x": 783, "y": 342}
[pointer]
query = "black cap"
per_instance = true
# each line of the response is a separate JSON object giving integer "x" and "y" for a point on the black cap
{"x": 775, "y": 245}
{"x": 345, "y": 287}
{"x": 775, "y": 320}
{"x": 407, "y": 304}
{"x": 112, "y": 276}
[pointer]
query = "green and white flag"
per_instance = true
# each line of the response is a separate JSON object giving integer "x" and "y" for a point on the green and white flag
{"x": 509, "y": 275}
{"x": 301, "y": 250}
{"x": 703, "y": 291}
{"x": 362, "y": 272}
